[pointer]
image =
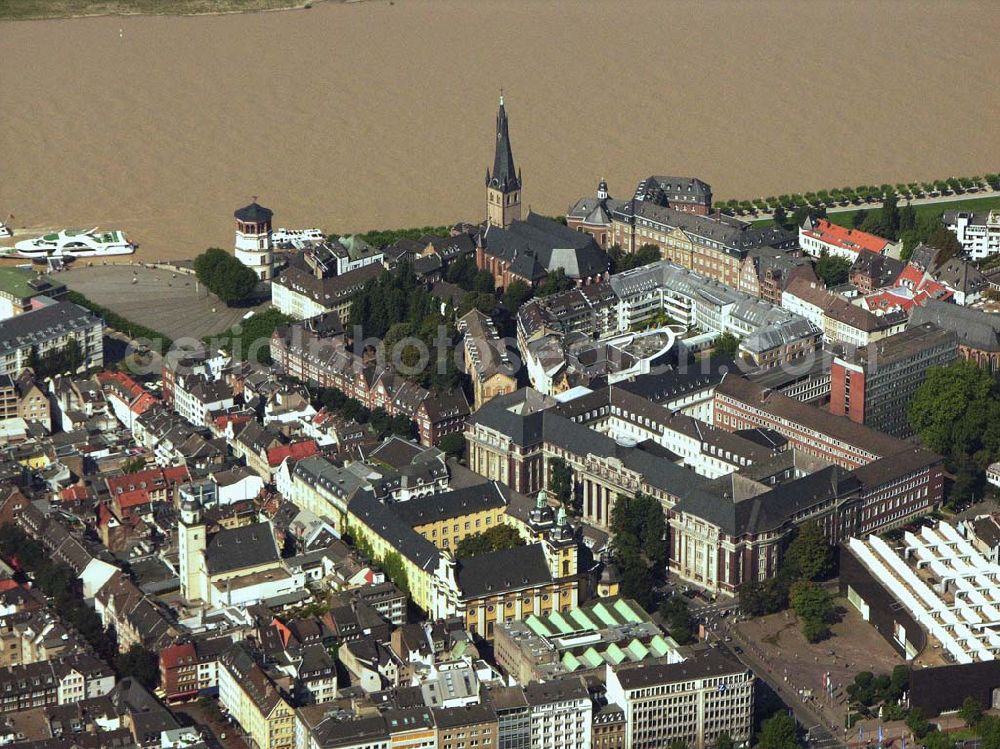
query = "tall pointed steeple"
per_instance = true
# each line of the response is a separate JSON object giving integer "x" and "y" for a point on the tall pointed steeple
{"x": 503, "y": 184}
{"x": 504, "y": 176}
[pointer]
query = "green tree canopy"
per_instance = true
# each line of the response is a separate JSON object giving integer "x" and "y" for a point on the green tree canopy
{"x": 814, "y": 605}
{"x": 727, "y": 344}
{"x": 778, "y": 732}
{"x": 971, "y": 711}
{"x": 988, "y": 729}
{"x": 554, "y": 282}
{"x": 809, "y": 555}
{"x": 945, "y": 242}
{"x": 833, "y": 270}
{"x": 141, "y": 664}
{"x": 561, "y": 481}
{"x": 917, "y": 722}
{"x": 938, "y": 740}
{"x": 57, "y": 361}
{"x": 517, "y": 293}
{"x": 956, "y": 412}
{"x": 225, "y": 276}
{"x": 639, "y": 528}
{"x": 453, "y": 444}
{"x": 675, "y": 613}
{"x": 497, "y": 538}
{"x": 250, "y": 339}
{"x": 394, "y": 298}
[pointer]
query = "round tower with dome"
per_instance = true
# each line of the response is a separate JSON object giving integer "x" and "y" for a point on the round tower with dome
{"x": 253, "y": 239}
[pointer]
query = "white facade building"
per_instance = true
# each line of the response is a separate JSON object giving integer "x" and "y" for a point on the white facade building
{"x": 561, "y": 714}
{"x": 295, "y": 303}
{"x": 692, "y": 702}
{"x": 48, "y": 330}
{"x": 979, "y": 233}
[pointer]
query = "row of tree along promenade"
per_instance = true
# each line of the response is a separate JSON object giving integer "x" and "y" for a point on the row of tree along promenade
{"x": 850, "y": 198}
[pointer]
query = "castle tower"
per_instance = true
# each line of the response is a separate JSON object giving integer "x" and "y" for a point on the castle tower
{"x": 503, "y": 186}
{"x": 253, "y": 240}
{"x": 191, "y": 543}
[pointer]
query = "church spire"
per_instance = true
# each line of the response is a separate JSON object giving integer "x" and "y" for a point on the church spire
{"x": 504, "y": 176}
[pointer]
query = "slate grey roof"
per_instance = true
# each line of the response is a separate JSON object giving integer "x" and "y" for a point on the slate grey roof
{"x": 961, "y": 275}
{"x": 524, "y": 427}
{"x": 737, "y": 515}
{"x": 353, "y": 731}
{"x": 149, "y": 716}
{"x": 467, "y": 715}
{"x": 594, "y": 211}
{"x": 708, "y": 662}
{"x": 502, "y": 571}
{"x": 447, "y": 405}
{"x": 450, "y": 248}
{"x": 882, "y": 269}
{"x": 239, "y": 548}
{"x": 735, "y": 236}
{"x": 382, "y": 519}
{"x": 780, "y": 334}
{"x": 504, "y": 176}
{"x": 44, "y": 324}
{"x": 327, "y": 291}
{"x": 974, "y": 328}
{"x": 397, "y": 451}
{"x": 735, "y": 387}
{"x": 558, "y": 690}
{"x": 480, "y": 497}
{"x": 538, "y": 243}
{"x": 976, "y": 218}
{"x": 674, "y": 382}
{"x": 663, "y": 189}
{"x": 330, "y": 478}
{"x": 551, "y": 427}
{"x": 254, "y": 212}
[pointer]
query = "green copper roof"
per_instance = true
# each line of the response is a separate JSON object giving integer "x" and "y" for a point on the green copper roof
{"x": 604, "y": 614}
{"x": 615, "y": 654}
{"x": 15, "y": 282}
{"x": 637, "y": 650}
{"x": 537, "y": 626}
{"x": 592, "y": 658}
{"x": 559, "y": 622}
{"x": 659, "y": 646}
{"x": 581, "y": 618}
{"x": 627, "y": 613}
{"x": 570, "y": 661}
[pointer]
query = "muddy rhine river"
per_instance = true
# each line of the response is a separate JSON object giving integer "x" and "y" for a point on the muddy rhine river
{"x": 381, "y": 114}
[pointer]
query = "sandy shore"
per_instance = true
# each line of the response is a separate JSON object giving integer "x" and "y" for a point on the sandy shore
{"x": 377, "y": 115}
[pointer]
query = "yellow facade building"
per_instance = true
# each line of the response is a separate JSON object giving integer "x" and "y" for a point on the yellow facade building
{"x": 255, "y": 702}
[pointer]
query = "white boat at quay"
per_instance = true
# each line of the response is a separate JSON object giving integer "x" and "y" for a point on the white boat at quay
{"x": 68, "y": 244}
{"x": 297, "y": 238}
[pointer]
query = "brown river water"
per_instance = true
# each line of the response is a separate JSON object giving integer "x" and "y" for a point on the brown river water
{"x": 379, "y": 114}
